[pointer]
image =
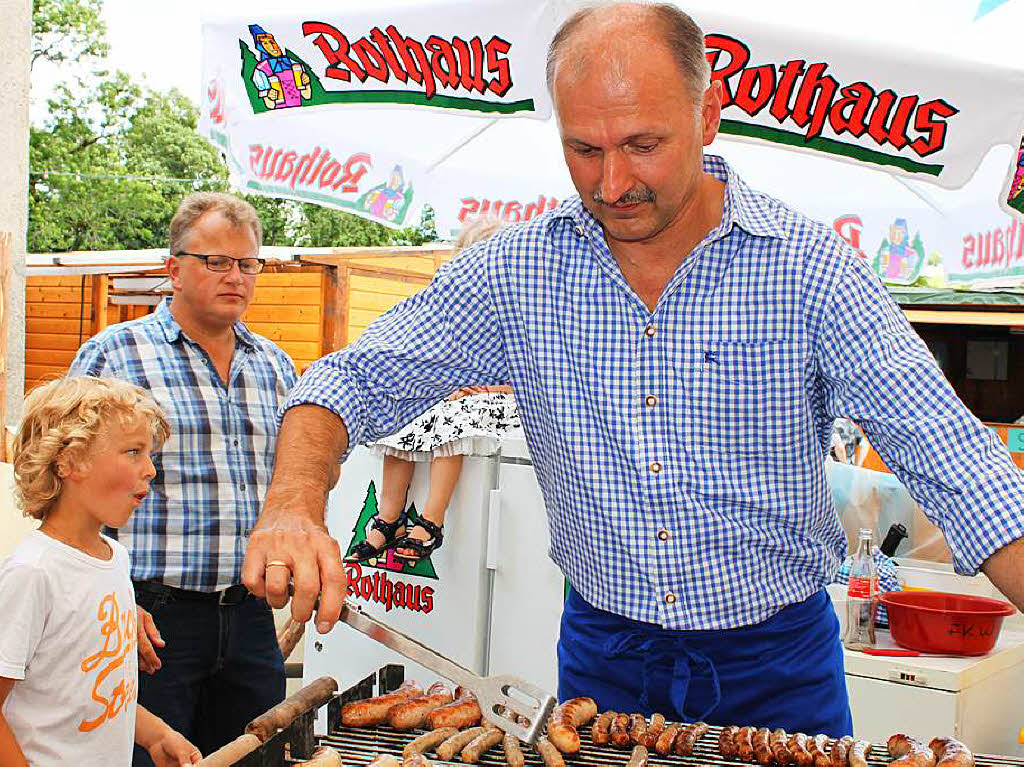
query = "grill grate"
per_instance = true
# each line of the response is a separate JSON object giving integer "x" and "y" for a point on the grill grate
{"x": 361, "y": 746}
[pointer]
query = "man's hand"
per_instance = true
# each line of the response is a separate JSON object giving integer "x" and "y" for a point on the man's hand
{"x": 288, "y": 547}
{"x": 290, "y": 543}
{"x": 148, "y": 640}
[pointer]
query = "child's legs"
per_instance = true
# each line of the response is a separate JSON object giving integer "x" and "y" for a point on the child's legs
{"x": 394, "y": 487}
{"x": 189, "y": 629}
{"x": 444, "y": 474}
{"x": 393, "y": 490}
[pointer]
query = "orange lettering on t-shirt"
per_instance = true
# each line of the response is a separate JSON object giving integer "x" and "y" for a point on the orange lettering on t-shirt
{"x": 118, "y": 634}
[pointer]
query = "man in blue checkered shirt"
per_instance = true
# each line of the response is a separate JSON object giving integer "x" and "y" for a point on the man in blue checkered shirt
{"x": 220, "y": 385}
{"x": 679, "y": 345}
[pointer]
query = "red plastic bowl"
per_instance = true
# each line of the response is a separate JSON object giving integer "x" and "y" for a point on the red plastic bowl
{"x": 942, "y": 622}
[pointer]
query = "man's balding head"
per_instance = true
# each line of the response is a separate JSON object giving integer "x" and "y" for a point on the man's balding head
{"x": 588, "y": 36}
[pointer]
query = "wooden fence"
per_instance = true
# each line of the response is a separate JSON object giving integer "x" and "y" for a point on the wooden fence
{"x": 309, "y": 307}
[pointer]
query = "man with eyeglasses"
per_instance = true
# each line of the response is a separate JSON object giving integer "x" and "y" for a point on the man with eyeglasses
{"x": 220, "y": 385}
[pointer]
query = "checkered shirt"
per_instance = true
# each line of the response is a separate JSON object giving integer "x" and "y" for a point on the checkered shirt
{"x": 681, "y": 450}
{"x": 212, "y": 474}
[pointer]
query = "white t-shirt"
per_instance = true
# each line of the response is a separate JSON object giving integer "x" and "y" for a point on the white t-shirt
{"x": 67, "y": 633}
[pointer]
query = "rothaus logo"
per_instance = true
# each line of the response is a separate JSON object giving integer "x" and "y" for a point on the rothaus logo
{"x": 451, "y": 64}
{"x": 802, "y": 95}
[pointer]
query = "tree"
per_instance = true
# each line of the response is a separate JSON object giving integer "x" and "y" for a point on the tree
{"x": 113, "y": 158}
{"x": 67, "y": 30}
{"x": 111, "y": 164}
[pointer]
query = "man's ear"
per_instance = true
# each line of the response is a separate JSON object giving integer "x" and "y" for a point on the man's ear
{"x": 173, "y": 267}
{"x": 711, "y": 111}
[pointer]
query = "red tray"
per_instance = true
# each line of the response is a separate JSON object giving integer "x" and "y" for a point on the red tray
{"x": 943, "y": 622}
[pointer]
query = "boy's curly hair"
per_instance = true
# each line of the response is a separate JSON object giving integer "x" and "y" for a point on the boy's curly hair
{"x": 61, "y": 421}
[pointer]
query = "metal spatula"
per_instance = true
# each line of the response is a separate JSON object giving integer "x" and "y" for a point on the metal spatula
{"x": 501, "y": 698}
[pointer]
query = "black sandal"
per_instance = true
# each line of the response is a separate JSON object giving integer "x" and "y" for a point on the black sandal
{"x": 423, "y": 549}
{"x": 365, "y": 550}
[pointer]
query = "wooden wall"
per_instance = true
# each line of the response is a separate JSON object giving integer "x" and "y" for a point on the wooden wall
{"x": 308, "y": 310}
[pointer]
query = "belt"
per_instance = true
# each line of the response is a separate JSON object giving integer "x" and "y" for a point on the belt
{"x": 232, "y": 595}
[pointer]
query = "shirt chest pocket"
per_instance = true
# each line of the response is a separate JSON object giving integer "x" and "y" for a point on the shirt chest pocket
{"x": 744, "y": 397}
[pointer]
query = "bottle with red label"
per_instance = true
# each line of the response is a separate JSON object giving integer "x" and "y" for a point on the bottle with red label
{"x": 862, "y": 593}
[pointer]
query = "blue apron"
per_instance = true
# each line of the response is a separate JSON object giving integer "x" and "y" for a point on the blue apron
{"x": 785, "y": 672}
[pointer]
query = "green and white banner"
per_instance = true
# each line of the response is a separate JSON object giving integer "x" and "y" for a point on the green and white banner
{"x": 378, "y": 108}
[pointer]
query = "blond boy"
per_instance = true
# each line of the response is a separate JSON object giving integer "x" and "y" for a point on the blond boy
{"x": 68, "y": 663}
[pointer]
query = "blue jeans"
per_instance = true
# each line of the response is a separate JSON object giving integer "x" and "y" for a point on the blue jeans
{"x": 222, "y": 667}
{"x": 785, "y": 672}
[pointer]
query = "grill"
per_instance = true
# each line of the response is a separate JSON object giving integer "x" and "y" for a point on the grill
{"x": 360, "y": 746}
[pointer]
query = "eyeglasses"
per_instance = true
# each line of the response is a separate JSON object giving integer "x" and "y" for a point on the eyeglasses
{"x": 218, "y": 263}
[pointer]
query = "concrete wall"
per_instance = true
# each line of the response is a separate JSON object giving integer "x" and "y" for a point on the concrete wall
{"x": 15, "y": 58}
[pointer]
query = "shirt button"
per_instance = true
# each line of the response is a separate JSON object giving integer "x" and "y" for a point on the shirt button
{"x": 655, "y": 467}
{"x": 651, "y": 401}
{"x": 579, "y": 231}
{"x": 649, "y": 331}
{"x": 663, "y": 535}
{"x": 241, "y": 487}
{"x": 236, "y": 443}
{"x": 670, "y": 598}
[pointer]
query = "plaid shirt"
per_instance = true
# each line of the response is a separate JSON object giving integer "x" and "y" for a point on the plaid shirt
{"x": 213, "y": 472}
{"x": 680, "y": 451}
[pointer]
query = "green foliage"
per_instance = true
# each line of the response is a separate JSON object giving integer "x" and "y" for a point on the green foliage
{"x": 113, "y": 159}
{"x": 67, "y": 30}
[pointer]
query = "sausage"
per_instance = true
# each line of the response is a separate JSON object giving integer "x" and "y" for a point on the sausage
{"x": 312, "y": 696}
{"x": 638, "y": 758}
{"x": 762, "y": 746}
{"x": 563, "y": 732}
{"x": 513, "y": 751}
{"x": 325, "y": 756}
{"x": 687, "y": 739}
{"x": 410, "y": 714}
{"x": 909, "y": 752}
{"x": 654, "y": 728}
{"x": 413, "y": 760}
{"x": 667, "y": 739}
{"x": 480, "y": 745}
{"x": 950, "y": 752}
{"x": 637, "y": 729}
{"x": 551, "y": 756}
{"x": 600, "y": 733}
{"x": 386, "y": 760}
{"x": 727, "y": 741}
{"x": 817, "y": 747}
{"x": 620, "y": 731}
{"x": 798, "y": 748}
{"x": 745, "y": 744}
{"x": 374, "y": 711}
{"x": 840, "y": 753}
{"x": 428, "y": 742}
{"x": 859, "y": 753}
{"x": 464, "y": 712}
{"x": 456, "y": 743}
{"x": 780, "y": 751}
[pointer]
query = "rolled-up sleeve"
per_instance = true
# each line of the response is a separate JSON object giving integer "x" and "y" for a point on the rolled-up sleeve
{"x": 876, "y": 370}
{"x": 415, "y": 354}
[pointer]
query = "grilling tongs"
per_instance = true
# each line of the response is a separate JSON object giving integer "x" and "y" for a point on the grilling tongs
{"x": 501, "y": 698}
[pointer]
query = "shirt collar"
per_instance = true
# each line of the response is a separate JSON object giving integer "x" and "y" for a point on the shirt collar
{"x": 744, "y": 207}
{"x": 172, "y": 330}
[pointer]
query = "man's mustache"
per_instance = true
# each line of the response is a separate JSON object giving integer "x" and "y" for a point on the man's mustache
{"x": 636, "y": 194}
